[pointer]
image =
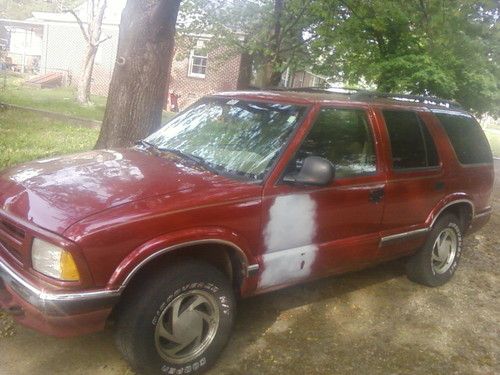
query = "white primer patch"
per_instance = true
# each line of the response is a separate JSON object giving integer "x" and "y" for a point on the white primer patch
{"x": 289, "y": 235}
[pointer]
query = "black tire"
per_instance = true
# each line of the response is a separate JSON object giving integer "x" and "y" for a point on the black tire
{"x": 138, "y": 333}
{"x": 424, "y": 266}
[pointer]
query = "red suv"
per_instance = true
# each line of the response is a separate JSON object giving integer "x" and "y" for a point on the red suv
{"x": 240, "y": 194}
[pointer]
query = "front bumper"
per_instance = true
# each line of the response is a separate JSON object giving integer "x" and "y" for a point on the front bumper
{"x": 55, "y": 314}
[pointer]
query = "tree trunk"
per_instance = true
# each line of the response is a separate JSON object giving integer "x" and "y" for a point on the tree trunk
{"x": 142, "y": 69}
{"x": 275, "y": 78}
{"x": 91, "y": 32}
{"x": 273, "y": 69}
{"x": 83, "y": 93}
{"x": 245, "y": 72}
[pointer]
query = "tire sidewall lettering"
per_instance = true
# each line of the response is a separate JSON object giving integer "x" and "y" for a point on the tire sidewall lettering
{"x": 168, "y": 369}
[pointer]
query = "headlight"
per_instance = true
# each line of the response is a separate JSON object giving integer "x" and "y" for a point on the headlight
{"x": 53, "y": 261}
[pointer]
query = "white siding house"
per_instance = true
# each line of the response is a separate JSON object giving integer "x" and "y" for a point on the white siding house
{"x": 56, "y": 41}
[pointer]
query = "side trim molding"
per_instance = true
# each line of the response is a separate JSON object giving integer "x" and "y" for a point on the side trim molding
{"x": 486, "y": 212}
{"x": 404, "y": 235}
{"x": 401, "y": 236}
{"x": 252, "y": 269}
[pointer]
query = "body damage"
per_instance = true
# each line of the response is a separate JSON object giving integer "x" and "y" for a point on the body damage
{"x": 289, "y": 237}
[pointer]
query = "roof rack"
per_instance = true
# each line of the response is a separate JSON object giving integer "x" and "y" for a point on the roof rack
{"x": 432, "y": 100}
{"x": 353, "y": 93}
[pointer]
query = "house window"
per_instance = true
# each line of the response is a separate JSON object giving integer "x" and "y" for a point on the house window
{"x": 198, "y": 61}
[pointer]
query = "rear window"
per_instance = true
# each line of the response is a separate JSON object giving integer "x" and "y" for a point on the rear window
{"x": 467, "y": 138}
{"x": 411, "y": 144}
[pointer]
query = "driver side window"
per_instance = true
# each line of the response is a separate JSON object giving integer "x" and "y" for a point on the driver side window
{"x": 343, "y": 137}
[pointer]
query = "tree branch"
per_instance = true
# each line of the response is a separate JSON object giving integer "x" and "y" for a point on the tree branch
{"x": 81, "y": 24}
{"x": 301, "y": 13}
{"x": 303, "y": 42}
{"x": 377, "y": 35}
{"x": 92, "y": 10}
{"x": 97, "y": 44}
{"x": 97, "y": 22}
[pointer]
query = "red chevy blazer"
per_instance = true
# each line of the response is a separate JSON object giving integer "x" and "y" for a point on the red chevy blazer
{"x": 242, "y": 193}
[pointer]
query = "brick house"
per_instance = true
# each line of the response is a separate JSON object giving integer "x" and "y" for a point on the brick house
{"x": 60, "y": 47}
{"x": 304, "y": 78}
{"x": 197, "y": 71}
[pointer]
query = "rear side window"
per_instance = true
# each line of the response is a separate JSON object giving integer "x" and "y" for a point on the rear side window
{"x": 467, "y": 138}
{"x": 411, "y": 143}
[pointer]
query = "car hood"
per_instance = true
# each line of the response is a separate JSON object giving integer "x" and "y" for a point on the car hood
{"x": 56, "y": 193}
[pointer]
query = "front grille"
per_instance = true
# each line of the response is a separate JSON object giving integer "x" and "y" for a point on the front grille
{"x": 12, "y": 230}
{"x": 12, "y": 239}
{"x": 12, "y": 251}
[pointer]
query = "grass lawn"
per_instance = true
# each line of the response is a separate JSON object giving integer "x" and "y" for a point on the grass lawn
{"x": 60, "y": 99}
{"x": 26, "y": 136}
{"x": 494, "y": 139}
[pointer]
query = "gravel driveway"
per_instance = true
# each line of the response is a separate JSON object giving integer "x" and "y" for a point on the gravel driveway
{"x": 369, "y": 322}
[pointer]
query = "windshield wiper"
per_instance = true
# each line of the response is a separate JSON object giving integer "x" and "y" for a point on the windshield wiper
{"x": 194, "y": 158}
{"x": 146, "y": 143}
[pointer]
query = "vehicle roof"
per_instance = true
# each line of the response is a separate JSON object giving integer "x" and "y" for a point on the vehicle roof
{"x": 324, "y": 97}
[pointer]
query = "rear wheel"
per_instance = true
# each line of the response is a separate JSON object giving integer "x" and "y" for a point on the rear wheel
{"x": 436, "y": 262}
{"x": 178, "y": 321}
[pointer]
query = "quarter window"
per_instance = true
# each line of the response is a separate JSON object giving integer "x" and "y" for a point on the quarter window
{"x": 467, "y": 138}
{"x": 411, "y": 143}
{"x": 343, "y": 137}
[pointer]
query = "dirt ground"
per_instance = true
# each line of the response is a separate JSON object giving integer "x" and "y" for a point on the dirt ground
{"x": 369, "y": 322}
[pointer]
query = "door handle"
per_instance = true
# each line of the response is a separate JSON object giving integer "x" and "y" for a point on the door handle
{"x": 376, "y": 195}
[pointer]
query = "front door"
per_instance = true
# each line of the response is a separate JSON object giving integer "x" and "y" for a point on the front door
{"x": 311, "y": 231}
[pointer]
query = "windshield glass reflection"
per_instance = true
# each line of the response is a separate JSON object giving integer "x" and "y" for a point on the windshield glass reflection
{"x": 231, "y": 136}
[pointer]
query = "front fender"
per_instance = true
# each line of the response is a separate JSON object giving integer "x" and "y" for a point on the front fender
{"x": 164, "y": 244}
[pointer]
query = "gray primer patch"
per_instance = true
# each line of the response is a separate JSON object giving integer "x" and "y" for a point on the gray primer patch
{"x": 289, "y": 236}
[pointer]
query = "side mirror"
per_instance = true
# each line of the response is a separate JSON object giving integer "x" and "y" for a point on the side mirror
{"x": 314, "y": 171}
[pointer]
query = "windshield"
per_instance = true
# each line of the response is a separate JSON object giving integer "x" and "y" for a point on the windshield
{"x": 231, "y": 136}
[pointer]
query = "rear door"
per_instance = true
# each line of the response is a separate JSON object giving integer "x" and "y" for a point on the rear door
{"x": 415, "y": 181}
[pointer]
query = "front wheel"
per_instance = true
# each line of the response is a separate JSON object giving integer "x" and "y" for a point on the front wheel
{"x": 178, "y": 321}
{"x": 436, "y": 262}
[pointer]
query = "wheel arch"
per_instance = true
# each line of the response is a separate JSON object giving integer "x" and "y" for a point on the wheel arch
{"x": 217, "y": 246}
{"x": 462, "y": 207}
{"x": 224, "y": 255}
